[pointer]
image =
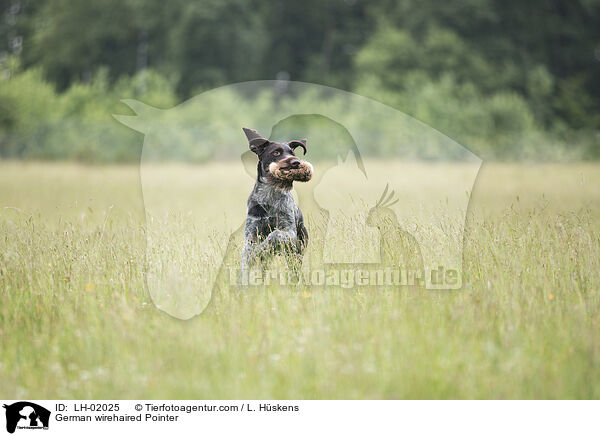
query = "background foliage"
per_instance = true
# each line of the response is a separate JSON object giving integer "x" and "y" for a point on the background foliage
{"x": 509, "y": 80}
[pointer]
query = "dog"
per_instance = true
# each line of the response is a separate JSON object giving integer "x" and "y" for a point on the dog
{"x": 274, "y": 222}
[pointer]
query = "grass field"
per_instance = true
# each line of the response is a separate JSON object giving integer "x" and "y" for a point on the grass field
{"x": 76, "y": 320}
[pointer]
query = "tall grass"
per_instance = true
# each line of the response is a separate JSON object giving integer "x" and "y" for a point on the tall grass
{"x": 76, "y": 320}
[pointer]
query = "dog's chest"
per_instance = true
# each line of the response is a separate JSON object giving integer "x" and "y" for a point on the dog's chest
{"x": 274, "y": 209}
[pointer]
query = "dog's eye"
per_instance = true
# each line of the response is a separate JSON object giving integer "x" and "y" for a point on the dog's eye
{"x": 276, "y": 153}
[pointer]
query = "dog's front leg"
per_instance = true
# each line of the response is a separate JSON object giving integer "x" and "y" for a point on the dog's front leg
{"x": 284, "y": 242}
{"x": 278, "y": 240}
{"x": 253, "y": 252}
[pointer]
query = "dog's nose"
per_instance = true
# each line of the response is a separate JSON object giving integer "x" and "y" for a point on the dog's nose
{"x": 294, "y": 163}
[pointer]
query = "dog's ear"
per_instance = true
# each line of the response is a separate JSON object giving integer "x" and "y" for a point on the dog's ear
{"x": 255, "y": 141}
{"x": 295, "y": 144}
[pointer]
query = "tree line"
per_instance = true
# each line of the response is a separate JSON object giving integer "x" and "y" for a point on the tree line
{"x": 531, "y": 65}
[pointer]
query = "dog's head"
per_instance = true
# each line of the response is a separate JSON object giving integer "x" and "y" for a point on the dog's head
{"x": 277, "y": 161}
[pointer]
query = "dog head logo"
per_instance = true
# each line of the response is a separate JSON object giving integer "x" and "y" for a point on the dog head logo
{"x": 26, "y": 415}
{"x": 430, "y": 174}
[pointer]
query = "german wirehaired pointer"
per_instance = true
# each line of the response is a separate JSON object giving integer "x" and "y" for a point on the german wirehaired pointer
{"x": 274, "y": 222}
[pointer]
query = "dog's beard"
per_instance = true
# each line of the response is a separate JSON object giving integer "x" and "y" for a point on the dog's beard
{"x": 301, "y": 174}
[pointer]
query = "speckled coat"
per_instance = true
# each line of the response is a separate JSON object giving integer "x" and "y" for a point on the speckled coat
{"x": 274, "y": 223}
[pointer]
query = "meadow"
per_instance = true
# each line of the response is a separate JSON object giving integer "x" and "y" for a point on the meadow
{"x": 77, "y": 321}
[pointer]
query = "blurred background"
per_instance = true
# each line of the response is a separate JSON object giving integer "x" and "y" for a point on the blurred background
{"x": 510, "y": 80}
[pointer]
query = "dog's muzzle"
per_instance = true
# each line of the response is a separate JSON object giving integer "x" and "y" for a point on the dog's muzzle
{"x": 294, "y": 170}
